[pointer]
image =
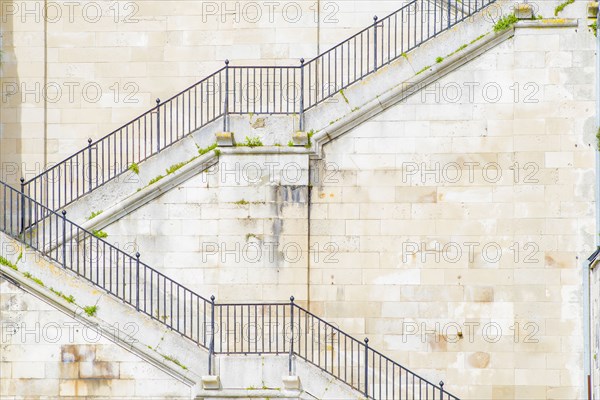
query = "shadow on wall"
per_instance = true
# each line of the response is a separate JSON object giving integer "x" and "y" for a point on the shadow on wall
{"x": 11, "y": 161}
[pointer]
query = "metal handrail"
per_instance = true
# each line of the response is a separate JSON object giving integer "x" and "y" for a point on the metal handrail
{"x": 237, "y": 90}
{"x": 251, "y": 328}
{"x": 104, "y": 265}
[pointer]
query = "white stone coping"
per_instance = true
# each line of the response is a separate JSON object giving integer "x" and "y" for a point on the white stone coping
{"x": 548, "y": 23}
{"x": 248, "y": 394}
{"x": 150, "y": 192}
{"x": 105, "y": 329}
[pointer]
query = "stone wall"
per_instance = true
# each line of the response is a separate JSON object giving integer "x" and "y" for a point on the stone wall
{"x": 447, "y": 229}
{"x": 461, "y": 217}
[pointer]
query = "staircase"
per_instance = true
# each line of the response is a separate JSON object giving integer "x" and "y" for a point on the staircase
{"x": 221, "y": 329}
{"x": 234, "y": 91}
{"x": 30, "y": 214}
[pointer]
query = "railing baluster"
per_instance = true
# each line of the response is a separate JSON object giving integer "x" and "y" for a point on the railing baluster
{"x": 158, "y": 125}
{"x": 211, "y": 350}
{"x": 89, "y": 165}
{"x": 226, "y": 104}
{"x": 367, "y": 367}
{"x": 292, "y": 334}
{"x": 137, "y": 281}
{"x": 375, "y": 43}
{"x": 301, "y": 94}
{"x": 64, "y": 239}
{"x": 22, "y": 206}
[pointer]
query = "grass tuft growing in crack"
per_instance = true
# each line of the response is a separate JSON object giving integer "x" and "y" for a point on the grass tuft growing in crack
{"x": 174, "y": 361}
{"x": 69, "y": 299}
{"x": 100, "y": 234}
{"x": 94, "y": 214}
{"x": 505, "y": 22}
{"x": 135, "y": 168}
{"x": 175, "y": 167}
{"x": 562, "y": 6}
{"x": 206, "y": 149}
{"x": 344, "y": 96}
{"x": 251, "y": 142}
{"x": 90, "y": 310}
{"x": 33, "y": 278}
{"x": 8, "y": 264}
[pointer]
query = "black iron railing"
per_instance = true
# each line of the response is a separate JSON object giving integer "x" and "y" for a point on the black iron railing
{"x": 289, "y": 90}
{"x": 269, "y": 328}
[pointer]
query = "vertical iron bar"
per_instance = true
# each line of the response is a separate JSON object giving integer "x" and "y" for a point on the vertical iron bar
{"x": 366, "y": 367}
{"x": 89, "y": 165}
{"x": 302, "y": 94}
{"x": 158, "y": 125}
{"x": 22, "y": 206}
{"x": 226, "y": 103}
{"x": 64, "y": 241}
{"x": 292, "y": 334}
{"x": 375, "y": 42}
{"x": 211, "y": 349}
{"x": 137, "y": 281}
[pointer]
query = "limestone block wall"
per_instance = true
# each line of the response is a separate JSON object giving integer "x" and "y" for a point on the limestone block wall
{"x": 74, "y": 70}
{"x": 449, "y": 229}
{"x": 43, "y": 352}
{"x": 461, "y": 216}
{"x": 237, "y": 231}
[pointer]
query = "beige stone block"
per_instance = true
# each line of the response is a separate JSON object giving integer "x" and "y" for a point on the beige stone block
{"x": 464, "y": 194}
{"x": 98, "y": 370}
{"x": 34, "y": 387}
{"x": 559, "y": 159}
{"x": 344, "y": 211}
{"x": 5, "y": 370}
{"x": 30, "y": 370}
{"x": 416, "y": 195}
{"x": 503, "y": 392}
{"x": 479, "y": 294}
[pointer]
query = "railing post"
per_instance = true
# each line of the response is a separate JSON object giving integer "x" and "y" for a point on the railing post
{"x": 292, "y": 334}
{"x": 22, "y": 205}
{"x": 367, "y": 368}
{"x": 137, "y": 281}
{"x": 375, "y": 40}
{"x": 301, "y": 95}
{"x": 64, "y": 241}
{"x": 89, "y": 165}
{"x": 226, "y": 104}
{"x": 449, "y": 13}
{"x": 211, "y": 347}
{"x": 158, "y": 125}
{"x": 441, "y": 390}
